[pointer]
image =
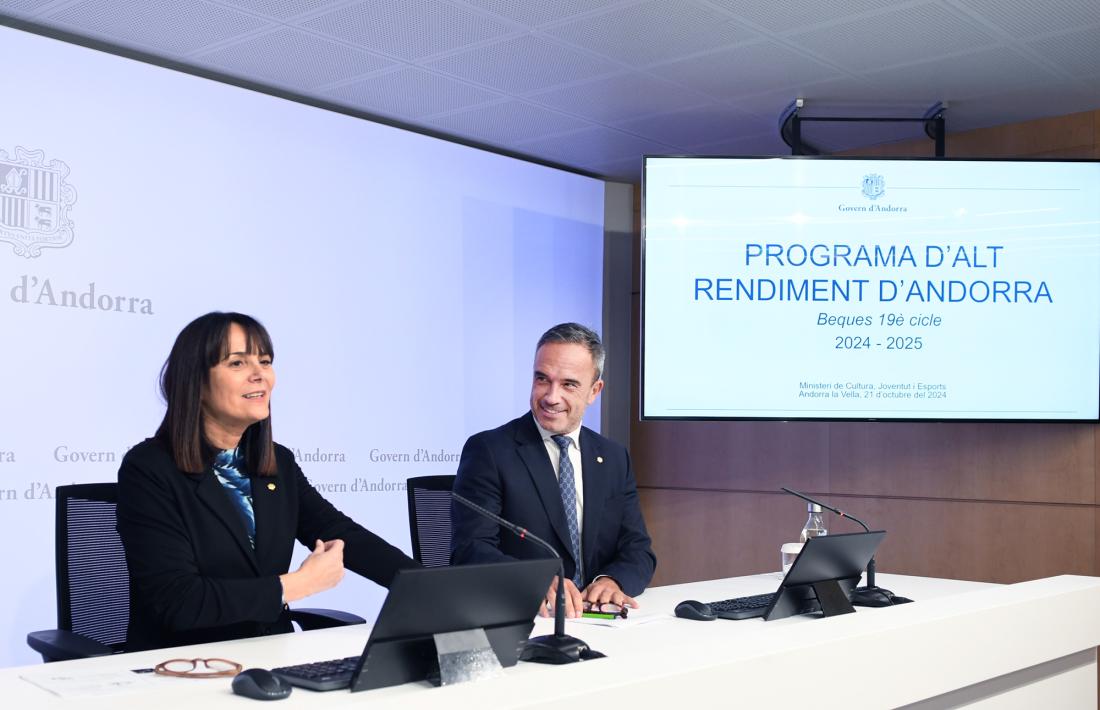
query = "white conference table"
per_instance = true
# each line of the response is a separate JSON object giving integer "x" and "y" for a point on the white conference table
{"x": 1027, "y": 645}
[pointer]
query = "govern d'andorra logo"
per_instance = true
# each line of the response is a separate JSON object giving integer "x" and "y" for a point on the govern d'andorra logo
{"x": 34, "y": 202}
{"x": 874, "y": 186}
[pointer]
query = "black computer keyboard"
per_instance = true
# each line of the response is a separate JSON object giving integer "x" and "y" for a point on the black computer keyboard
{"x": 322, "y": 675}
{"x": 741, "y": 607}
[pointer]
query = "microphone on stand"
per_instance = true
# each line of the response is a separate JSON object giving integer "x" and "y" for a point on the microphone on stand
{"x": 869, "y": 594}
{"x": 556, "y": 648}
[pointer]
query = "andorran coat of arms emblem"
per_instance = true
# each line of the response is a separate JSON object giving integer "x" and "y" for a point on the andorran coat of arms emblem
{"x": 34, "y": 202}
{"x": 873, "y": 186}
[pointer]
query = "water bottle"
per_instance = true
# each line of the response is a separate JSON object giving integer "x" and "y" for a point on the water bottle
{"x": 815, "y": 523}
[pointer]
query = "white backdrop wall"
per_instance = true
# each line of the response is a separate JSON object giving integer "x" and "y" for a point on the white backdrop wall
{"x": 404, "y": 280}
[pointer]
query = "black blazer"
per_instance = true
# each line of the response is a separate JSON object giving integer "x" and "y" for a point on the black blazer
{"x": 195, "y": 578}
{"x": 507, "y": 471}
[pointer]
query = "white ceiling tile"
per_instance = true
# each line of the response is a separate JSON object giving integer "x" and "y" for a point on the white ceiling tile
{"x": 1077, "y": 53}
{"x": 592, "y": 146}
{"x": 409, "y": 94}
{"x": 409, "y": 29}
{"x": 532, "y": 14}
{"x": 785, "y": 16}
{"x": 702, "y": 124}
{"x": 562, "y": 80}
{"x": 897, "y": 37}
{"x": 506, "y": 123}
{"x": 743, "y": 70}
{"x": 523, "y": 64}
{"x": 629, "y": 170}
{"x": 1086, "y": 88}
{"x": 619, "y": 97}
{"x": 655, "y": 31}
{"x": 293, "y": 58}
{"x": 1028, "y": 18}
{"x": 985, "y": 72}
{"x": 770, "y": 104}
{"x": 283, "y": 9}
{"x": 169, "y": 26}
{"x": 760, "y": 144}
{"x": 23, "y": 7}
{"x": 1056, "y": 99}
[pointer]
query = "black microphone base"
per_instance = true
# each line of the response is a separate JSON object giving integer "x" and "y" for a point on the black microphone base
{"x": 876, "y": 596}
{"x": 557, "y": 650}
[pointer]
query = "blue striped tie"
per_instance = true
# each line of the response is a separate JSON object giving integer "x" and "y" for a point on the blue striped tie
{"x": 568, "y": 488}
{"x": 227, "y": 467}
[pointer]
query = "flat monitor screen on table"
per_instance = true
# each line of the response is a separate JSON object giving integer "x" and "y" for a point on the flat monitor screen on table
{"x": 824, "y": 575}
{"x": 795, "y": 288}
{"x": 501, "y": 598}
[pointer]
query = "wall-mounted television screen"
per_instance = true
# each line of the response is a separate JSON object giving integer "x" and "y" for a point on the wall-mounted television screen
{"x": 867, "y": 289}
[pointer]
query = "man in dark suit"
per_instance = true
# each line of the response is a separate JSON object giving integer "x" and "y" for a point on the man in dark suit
{"x": 562, "y": 481}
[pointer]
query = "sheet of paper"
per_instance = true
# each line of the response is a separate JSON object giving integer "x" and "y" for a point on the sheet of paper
{"x": 636, "y": 617}
{"x": 89, "y": 685}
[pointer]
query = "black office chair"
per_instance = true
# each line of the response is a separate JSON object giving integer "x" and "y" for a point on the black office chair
{"x": 93, "y": 589}
{"x": 430, "y": 519}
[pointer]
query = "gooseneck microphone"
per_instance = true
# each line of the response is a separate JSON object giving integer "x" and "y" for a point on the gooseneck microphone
{"x": 557, "y": 648}
{"x": 841, "y": 513}
{"x": 870, "y": 594}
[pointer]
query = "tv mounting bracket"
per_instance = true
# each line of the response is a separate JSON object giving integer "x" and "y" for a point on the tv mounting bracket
{"x": 791, "y": 120}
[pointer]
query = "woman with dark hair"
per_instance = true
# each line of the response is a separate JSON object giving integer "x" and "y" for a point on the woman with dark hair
{"x": 209, "y": 508}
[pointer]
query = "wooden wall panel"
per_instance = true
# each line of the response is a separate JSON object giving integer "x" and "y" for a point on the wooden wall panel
{"x": 1015, "y": 462}
{"x": 1095, "y": 153}
{"x": 1074, "y": 136}
{"x": 707, "y": 535}
{"x": 710, "y": 535}
{"x": 732, "y": 455}
{"x": 1069, "y": 153}
{"x": 981, "y": 540}
{"x": 1032, "y": 138}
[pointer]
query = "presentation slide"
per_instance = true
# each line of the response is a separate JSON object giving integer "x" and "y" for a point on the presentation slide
{"x": 404, "y": 280}
{"x": 871, "y": 289}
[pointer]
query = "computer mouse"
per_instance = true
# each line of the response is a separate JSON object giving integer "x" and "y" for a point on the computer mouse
{"x": 261, "y": 684}
{"x": 696, "y": 611}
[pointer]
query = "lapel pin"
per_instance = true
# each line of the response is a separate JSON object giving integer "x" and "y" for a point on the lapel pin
{"x": 599, "y": 459}
{"x": 271, "y": 486}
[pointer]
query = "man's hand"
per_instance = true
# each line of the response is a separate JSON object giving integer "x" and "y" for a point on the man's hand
{"x": 607, "y": 591}
{"x": 573, "y": 602}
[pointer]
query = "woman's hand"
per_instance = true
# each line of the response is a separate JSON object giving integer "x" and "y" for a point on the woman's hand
{"x": 323, "y": 569}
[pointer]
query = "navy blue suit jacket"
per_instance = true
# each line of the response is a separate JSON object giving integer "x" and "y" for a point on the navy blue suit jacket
{"x": 508, "y": 471}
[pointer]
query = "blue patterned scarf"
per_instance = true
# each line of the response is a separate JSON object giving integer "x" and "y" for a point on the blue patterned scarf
{"x": 230, "y": 469}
